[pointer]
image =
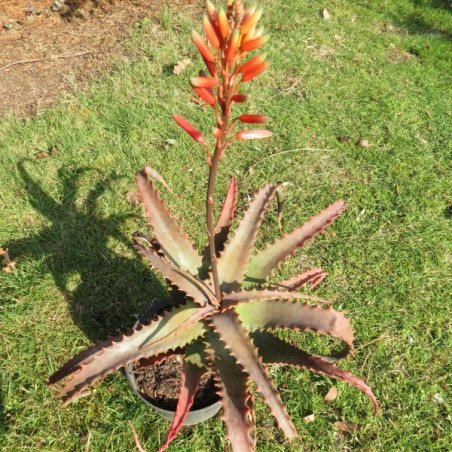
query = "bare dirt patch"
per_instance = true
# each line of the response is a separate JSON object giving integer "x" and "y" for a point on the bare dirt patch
{"x": 47, "y": 48}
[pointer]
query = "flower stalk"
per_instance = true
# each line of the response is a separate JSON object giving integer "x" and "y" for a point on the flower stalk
{"x": 231, "y": 34}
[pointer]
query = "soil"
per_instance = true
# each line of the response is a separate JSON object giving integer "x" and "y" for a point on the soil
{"x": 161, "y": 383}
{"x": 49, "y": 47}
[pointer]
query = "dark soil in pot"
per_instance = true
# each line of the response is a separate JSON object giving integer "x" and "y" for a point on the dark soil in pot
{"x": 161, "y": 382}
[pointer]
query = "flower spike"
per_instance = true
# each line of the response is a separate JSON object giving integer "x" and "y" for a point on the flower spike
{"x": 194, "y": 133}
{"x": 253, "y": 134}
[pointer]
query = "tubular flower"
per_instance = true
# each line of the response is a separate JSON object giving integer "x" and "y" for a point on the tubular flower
{"x": 194, "y": 133}
{"x": 203, "y": 82}
{"x": 254, "y": 43}
{"x": 240, "y": 98}
{"x": 251, "y": 64}
{"x": 253, "y": 119}
{"x": 202, "y": 46}
{"x": 206, "y": 94}
{"x": 250, "y": 21}
{"x": 211, "y": 33}
{"x": 224, "y": 24}
{"x": 232, "y": 46}
{"x": 247, "y": 76}
{"x": 253, "y": 134}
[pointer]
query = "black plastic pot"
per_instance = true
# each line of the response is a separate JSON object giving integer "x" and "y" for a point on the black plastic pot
{"x": 194, "y": 416}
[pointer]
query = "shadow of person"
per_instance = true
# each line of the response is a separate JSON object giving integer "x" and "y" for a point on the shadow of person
{"x": 106, "y": 291}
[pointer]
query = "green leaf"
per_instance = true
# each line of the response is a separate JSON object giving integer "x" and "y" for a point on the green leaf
{"x": 264, "y": 262}
{"x": 293, "y": 315}
{"x": 276, "y": 351}
{"x": 173, "y": 242}
{"x": 173, "y": 329}
{"x": 234, "y": 259}
{"x": 236, "y": 339}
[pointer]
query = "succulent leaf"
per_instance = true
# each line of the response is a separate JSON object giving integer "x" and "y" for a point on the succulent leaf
{"x": 276, "y": 351}
{"x": 173, "y": 241}
{"x": 264, "y": 262}
{"x": 236, "y": 339}
{"x": 191, "y": 285}
{"x": 192, "y": 372}
{"x": 246, "y": 296}
{"x": 233, "y": 383}
{"x": 313, "y": 276}
{"x": 173, "y": 329}
{"x": 223, "y": 225}
{"x": 287, "y": 314}
{"x": 234, "y": 259}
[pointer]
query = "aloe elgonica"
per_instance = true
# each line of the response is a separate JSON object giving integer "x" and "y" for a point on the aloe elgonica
{"x": 224, "y": 321}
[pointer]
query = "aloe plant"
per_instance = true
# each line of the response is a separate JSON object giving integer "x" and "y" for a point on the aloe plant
{"x": 225, "y": 319}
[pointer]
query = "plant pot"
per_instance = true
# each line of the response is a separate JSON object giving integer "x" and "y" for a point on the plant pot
{"x": 194, "y": 416}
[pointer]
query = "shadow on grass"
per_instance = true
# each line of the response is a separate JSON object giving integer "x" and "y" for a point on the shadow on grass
{"x": 420, "y": 22}
{"x": 105, "y": 290}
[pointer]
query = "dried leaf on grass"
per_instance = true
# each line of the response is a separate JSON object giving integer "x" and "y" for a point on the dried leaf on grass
{"x": 364, "y": 144}
{"x": 8, "y": 264}
{"x": 348, "y": 427}
{"x": 325, "y": 14}
{"x": 181, "y": 66}
{"x": 309, "y": 419}
{"x": 332, "y": 394}
{"x": 44, "y": 155}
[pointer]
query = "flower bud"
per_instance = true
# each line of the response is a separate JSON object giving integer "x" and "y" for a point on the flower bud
{"x": 206, "y": 94}
{"x": 203, "y": 82}
{"x": 223, "y": 23}
{"x": 250, "y": 21}
{"x": 240, "y": 98}
{"x": 194, "y": 133}
{"x": 254, "y": 43}
{"x": 232, "y": 45}
{"x": 216, "y": 132}
{"x": 251, "y": 64}
{"x": 252, "y": 134}
{"x": 202, "y": 46}
{"x": 255, "y": 71}
{"x": 210, "y": 33}
{"x": 253, "y": 119}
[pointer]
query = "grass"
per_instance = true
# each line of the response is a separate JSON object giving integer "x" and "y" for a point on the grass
{"x": 375, "y": 71}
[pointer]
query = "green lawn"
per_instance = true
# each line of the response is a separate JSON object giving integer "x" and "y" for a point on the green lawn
{"x": 377, "y": 71}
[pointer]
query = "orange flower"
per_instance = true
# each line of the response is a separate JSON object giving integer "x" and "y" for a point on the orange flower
{"x": 224, "y": 24}
{"x": 251, "y": 64}
{"x": 203, "y": 82}
{"x": 254, "y": 43}
{"x": 211, "y": 33}
{"x": 202, "y": 46}
{"x": 232, "y": 45}
{"x": 252, "y": 134}
{"x": 254, "y": 72}
{"x": 240, "y": 98}
{"x": 206, "y": 94}
{"x": 194, "y": 133}
{"x": 250, "y": 21}
{"x": 253, "y": 119}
